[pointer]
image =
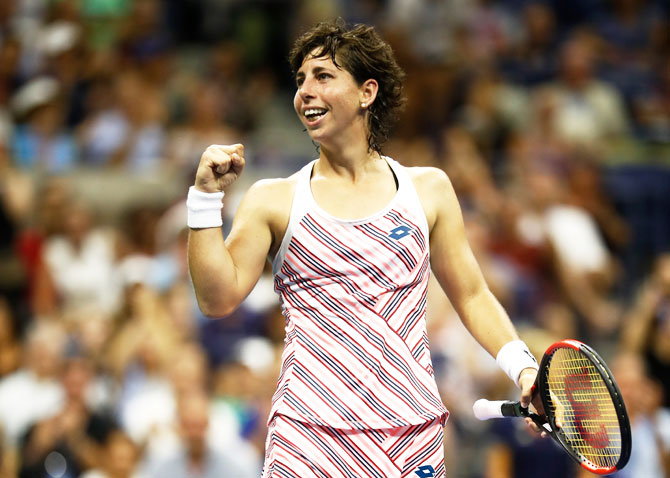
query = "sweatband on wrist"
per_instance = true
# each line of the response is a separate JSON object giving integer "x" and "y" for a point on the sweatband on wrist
{"x": 204, "y": 209}
{"x": 513, "y": 357}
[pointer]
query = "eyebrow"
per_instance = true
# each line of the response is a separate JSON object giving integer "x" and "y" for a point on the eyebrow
{"x": 315, "y": 70}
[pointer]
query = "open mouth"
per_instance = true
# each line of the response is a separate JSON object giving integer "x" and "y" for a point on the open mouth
{"x": 313, "y": 114}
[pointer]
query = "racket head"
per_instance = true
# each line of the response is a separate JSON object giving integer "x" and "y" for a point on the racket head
{"x": 577, "y": 387}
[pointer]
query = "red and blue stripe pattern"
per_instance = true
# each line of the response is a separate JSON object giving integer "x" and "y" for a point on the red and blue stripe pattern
{"x": 353, "y": 296}
{"x": 296, "y": 449}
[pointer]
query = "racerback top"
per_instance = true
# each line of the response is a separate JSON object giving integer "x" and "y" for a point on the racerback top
{"x": 353, "y": 295}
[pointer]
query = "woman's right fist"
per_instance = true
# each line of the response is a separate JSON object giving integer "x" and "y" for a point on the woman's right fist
{"x": 220, "y": 165}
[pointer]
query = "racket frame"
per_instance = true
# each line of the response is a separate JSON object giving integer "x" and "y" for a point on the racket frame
{"x": 615, "y": 394}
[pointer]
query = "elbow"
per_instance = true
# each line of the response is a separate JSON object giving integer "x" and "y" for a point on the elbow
{"x": 213, "y": 310}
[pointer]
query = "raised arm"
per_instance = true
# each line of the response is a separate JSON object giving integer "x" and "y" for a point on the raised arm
{"x": 458, "y": 272}
{"x": 224, "y": 272}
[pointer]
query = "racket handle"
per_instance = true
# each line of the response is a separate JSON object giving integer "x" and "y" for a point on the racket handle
{"x": 487, "y": 409}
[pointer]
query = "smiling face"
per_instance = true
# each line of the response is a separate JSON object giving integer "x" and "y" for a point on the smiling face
{"x": 328, "y": 101}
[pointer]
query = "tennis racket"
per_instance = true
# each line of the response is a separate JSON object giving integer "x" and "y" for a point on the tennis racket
{"x": 578, "y": 389}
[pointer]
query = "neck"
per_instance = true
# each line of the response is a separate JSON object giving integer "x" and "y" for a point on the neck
{"x": 350, "y": 162}
{"x": 349, "y": 147}
{"x": 196, "y": 454}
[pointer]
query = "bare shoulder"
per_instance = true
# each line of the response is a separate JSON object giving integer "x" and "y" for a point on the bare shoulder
{"x": 272, "y": 194}
{"x": 434, "y": 189}
{"x": 270, "y": 201}
{"x": 428, "y": 177}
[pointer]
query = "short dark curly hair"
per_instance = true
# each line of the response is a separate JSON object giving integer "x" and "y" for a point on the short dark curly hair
{"x": 360, "y": 51}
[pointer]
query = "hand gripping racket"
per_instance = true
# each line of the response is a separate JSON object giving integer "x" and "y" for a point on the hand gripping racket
{"x": 578, "y": 389}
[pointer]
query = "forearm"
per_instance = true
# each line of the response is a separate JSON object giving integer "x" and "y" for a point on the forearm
{"x": 487, "y": 321}
{"x": 212, "y": 272}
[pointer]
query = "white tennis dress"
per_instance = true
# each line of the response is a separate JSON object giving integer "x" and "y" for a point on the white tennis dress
{"x": 353, "y": 293}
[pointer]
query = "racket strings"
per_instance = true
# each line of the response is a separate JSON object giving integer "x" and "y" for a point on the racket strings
{"x": 580, "y": 399}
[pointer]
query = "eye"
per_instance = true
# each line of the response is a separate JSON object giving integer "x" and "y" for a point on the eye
{"x": 324, "y": 76}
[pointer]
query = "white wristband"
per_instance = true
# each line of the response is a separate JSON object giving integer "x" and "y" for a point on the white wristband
{"x": 513, "y": 357}
{"x": 204, "y": 209}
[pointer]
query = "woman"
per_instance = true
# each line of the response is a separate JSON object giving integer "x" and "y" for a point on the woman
{"x": 351, "y": 236}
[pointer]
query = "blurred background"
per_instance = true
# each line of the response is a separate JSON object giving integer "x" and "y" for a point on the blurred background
{"x": 552, "y": 119}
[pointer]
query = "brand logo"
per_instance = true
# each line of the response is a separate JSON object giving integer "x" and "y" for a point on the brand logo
{"x": 400, "y": 232}
{"x": 425, "y": 471}
{"x": 530, "y": 355}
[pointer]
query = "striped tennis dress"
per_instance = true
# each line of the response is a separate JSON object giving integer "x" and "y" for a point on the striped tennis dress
{"x": 353, "y": 294}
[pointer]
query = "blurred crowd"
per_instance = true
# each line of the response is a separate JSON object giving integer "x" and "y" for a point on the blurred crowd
{"x": 551, "y": 117}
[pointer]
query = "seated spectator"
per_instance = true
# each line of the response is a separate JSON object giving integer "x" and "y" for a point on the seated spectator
{"x": 40, "y": 141}
{"x": 588, "y": 112}
{"x": 651, "y": 105}
{"x": 118, "y": 458}
{"x": 34, "y": 391}
{"x": 540, "y": 145}
{"x": 129, "y": 132}
{"x": 533, "y": 59}
{"x": 69, "y": 441}
{"x": 194, "y": 454}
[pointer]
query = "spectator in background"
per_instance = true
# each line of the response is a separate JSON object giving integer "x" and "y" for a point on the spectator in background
{"x": 224, "y": 66}
{"x": 40, "y": 141}
{"x": 628, "y": 29}
{"x": 10, "y": 53}
{"x": 532, "y": 60}
{"x": 539, "y": 145}
{"x": 646, "y": 329}
{"x": 137, "y": 245}
{"x": 189, "y": 372}
{"x": 16, "y": 202}
{"x": 204, "y": 125}
{"x": 493, "y": 109}
{"x": 649, "y": 420}
{"x": 62, "y": 57}
{"x": 651, "y": 107}
{"x": 118, "y": 458}
{"x": 42, "y": 221}
{"x": 589, "y": 113}
{"x": 245, "y": 386}
{"x": 34, "y": 391}
{"x": 70, "y": 440}
{"x": 143, "y": 31}
{"x": 587, "y": 188}
{"x": 138, "y": 355}
{"x": 491, "y": 29}
{"x": 11, "y": 345}
{"x": 472, "y": 175}
{"x": 584, "y": 269}
{"x": 129, "y": 133}
{"x": 81, "y": 261}
{"x": 195, "y": 455}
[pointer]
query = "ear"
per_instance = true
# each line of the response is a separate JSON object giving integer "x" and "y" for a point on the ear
{"x": 368, "y": 92}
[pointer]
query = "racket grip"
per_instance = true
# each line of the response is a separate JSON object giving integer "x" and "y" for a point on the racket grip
{"x": 487, "y": 409}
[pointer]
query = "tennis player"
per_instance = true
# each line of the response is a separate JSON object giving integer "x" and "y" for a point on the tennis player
{"x": 352, "y": 237}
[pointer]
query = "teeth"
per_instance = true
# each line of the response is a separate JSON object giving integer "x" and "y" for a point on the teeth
{"x": 314, "y": 112}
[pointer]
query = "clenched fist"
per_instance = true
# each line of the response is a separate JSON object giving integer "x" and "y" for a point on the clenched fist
{"x": 220, "y": 165}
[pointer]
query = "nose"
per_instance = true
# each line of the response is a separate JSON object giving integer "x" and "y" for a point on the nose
{"x": 305, "y": 90}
